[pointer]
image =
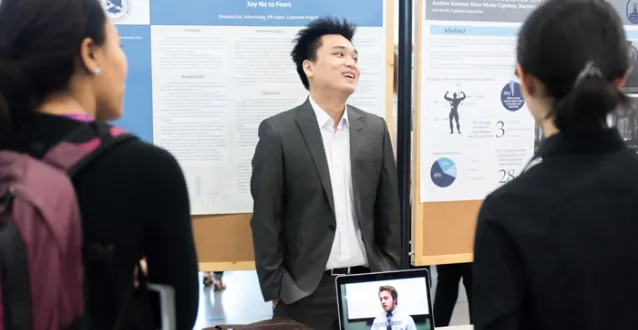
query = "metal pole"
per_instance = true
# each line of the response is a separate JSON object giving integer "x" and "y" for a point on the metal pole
{"x": 404, "y": 125}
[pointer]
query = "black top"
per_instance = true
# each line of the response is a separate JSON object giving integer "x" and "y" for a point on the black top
{"x": 557, "y": 248}
{"x": 134, "y": 197}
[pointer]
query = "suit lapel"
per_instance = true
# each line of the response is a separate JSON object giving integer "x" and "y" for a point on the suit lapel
{"x": 307, "y": 122}
{"x": 357, "y": 146}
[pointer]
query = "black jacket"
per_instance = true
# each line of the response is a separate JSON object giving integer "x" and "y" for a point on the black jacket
{"x": 557, "y": 248}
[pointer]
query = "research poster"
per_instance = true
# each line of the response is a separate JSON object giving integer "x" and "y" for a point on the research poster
{"x": 476, "y": 132}
{"x": 203, "y": 75}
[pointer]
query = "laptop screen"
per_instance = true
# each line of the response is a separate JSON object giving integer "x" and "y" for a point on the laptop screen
{"x": 400, "y": 300}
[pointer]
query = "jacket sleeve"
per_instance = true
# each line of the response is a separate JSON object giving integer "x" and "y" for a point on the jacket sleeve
{"x": 267, "y": 189}
{"x": 387, "y": 208}
{"x": 498, "y": 273}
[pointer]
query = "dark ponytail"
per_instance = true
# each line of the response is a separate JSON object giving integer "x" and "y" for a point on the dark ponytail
{"x": 587, "y": 105}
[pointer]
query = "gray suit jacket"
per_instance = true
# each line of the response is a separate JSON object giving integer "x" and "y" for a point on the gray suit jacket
{"x": 293, "y": 220}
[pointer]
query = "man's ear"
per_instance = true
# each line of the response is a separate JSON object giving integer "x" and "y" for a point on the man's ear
{"x": 307, "y": 68}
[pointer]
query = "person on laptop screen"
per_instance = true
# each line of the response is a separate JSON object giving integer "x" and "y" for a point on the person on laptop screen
{"x": 391, "y": 318}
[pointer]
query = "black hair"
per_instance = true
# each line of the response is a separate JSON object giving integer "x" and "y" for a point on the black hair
{"x": 39, "y": 51}
{"x": 308, "y": 40}
{"x": 576, "y": 48}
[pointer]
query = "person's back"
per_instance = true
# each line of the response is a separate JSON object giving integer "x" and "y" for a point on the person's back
{"x": 557, "y": 247}
{"x": 134, "y": 199}
{"x": 572, "y": 223}
{"x": 61, "y": 67}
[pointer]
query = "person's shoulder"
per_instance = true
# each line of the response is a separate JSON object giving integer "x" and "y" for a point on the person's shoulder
{"x": 144, "y": 150}
{"x": 517, "y": 196}
{"x": 283, "y": 117}
{"x": 379, "y": 320}
{"x": 363, "y": 113}
{"x": 402, "y": 314}
{"x": 145, "y": 158}
{"x": 283, "y": 125}
{"x": 370, "y": 119}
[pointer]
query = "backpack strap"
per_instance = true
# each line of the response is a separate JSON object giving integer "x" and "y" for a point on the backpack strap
{"x": 83, "y": 145}
{"x": 15, "y": 282}
{"x": 77, "y": 150}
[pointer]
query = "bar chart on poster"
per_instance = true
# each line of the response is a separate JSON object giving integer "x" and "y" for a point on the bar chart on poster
{"x": 201, "y": 78}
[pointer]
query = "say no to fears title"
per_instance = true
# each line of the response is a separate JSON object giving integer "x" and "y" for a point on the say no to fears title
{"x": 268, "y": 4}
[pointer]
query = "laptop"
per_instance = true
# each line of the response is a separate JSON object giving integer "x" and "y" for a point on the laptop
{"x": 399, "y": 299}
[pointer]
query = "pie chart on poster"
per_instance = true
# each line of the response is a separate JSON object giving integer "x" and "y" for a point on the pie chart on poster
{"x": 512, "y": 97}
{"x": 443, "y": 172}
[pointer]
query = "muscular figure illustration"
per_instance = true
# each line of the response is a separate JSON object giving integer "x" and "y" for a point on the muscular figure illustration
{"x": 454, "y": 110}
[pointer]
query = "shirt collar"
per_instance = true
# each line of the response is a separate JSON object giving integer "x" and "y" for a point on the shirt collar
{"x": 582, "y": 142}
{"x": 323, "y": 118}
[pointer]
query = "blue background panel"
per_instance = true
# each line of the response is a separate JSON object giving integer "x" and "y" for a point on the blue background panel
{"x": 249, "y": 12}
{"x": 138, "y": 114}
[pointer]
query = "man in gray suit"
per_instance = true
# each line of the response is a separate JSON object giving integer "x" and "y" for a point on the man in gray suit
{"x": 324, "y": 185}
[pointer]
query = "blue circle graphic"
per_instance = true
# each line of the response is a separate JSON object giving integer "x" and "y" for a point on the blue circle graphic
{"x": 443, "y": 172}
{"x": 631, "y": 10}
{"x": 512, "y": 97}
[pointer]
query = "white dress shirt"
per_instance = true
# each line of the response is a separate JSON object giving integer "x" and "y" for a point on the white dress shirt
{"x": 397, "y": 320}
{"x": 347, "y": 249}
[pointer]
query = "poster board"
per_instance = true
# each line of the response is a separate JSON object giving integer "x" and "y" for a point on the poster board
{"x": 443, "y": 225}
{"x": 203, "y": 76}
{"x": 473, "y": 132}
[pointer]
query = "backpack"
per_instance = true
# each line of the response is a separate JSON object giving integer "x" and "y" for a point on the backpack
{"x": 273, "y": 324}
{"x": 41, "y": 247}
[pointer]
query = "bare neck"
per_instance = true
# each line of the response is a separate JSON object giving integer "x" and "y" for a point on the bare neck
{"x": 333, "y": 105}
{"x": 65, "y": 104}
{"x": 548, "y": 128}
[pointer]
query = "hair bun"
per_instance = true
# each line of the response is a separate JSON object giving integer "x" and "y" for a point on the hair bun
{"x": 589, "y": 102}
